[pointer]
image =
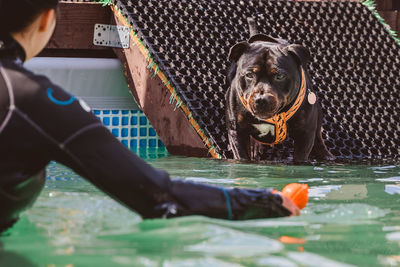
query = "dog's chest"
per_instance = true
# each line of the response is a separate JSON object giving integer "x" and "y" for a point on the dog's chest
{"x": 263, "y": 132}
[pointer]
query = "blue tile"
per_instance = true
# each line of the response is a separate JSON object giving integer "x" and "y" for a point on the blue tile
{"x": 134, "y": 132}
{"x": 160, "y": 143}
{"x": 125, "y": 112}
{"x": 115, "y": 132}
{"x": 124, "y": 132}
{"x": 134, "y": 121}
{"x": 142, "y": 143}
{"x": 106, "y": 121}
{"x": 152, "y": 132}
{"x": 134, "y": 111}
{"x": 125, "y": 143}
{"x": 115, "y": 111}
{"x": 152, "y": 142}
{"x": 106, "y": 112}
{"x": 96, "y": 112}
{"x": 125, "y": 121}
{"x": 143, "y": 131}
{"x": 115, "y": 121}
{"x": 143, "y": 120}
{"x": 133, "y": 143}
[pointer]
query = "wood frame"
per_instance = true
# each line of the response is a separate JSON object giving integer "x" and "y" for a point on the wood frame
{"x": 73, "y": 37}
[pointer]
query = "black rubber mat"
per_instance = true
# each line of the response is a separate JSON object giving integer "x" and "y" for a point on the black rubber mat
{"x": 355, "y": 66}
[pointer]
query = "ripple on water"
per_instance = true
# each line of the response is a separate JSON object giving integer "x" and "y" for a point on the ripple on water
{"x": 390, "y": 179}
{"x": 313, "y": 260}
{"x": 71, "y": 218}
{"x": 395, "y": 236}
{"x": 349, "y": 214}
{"x": 199, "y": 262}
{"x": 322, "y": 190}
{"x": 223, "y": 241}
{"x": 392, "y": 189}
{"x": 276, "y": 262}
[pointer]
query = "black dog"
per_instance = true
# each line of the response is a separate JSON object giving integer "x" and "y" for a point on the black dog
{"x": 269, "y": 97}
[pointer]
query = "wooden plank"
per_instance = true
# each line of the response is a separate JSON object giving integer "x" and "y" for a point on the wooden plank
{"x": 170, "y": 123}
{"x": 396, "y": 4}
{"x": 75, "y": 25}
{"x": 398, "y": 21}
{"x": 390, "y": 18}
{"x": 384, "y": 5}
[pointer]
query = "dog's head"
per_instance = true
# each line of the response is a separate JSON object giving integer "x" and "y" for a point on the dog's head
{"x": 266, "y": 73}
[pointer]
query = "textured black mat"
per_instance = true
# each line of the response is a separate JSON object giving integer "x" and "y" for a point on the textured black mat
{"x": 355, "y": 64}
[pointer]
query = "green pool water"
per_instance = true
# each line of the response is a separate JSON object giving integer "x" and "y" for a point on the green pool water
{"x": 353, "y": 219}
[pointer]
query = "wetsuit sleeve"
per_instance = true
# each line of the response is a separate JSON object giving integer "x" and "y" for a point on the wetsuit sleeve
{"x": 87, "y": 147}
{"x": 109, "y": 165}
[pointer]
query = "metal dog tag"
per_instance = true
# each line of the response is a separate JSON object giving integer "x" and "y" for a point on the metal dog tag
{"x": 111, "y": 36}
{"x": 312, "y": 98}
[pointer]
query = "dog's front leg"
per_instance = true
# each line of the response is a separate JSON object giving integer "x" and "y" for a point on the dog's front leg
{"x": 303, "y": 144}
{"x": 239, "y": 142}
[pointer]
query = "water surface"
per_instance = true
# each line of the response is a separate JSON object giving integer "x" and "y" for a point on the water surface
{"x": 353, "y": 218}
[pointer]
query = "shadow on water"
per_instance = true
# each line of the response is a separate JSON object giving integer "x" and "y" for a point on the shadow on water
{"x": 12, "y": 259}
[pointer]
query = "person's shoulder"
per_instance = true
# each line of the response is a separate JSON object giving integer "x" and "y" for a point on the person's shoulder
{"x": 23, "y": 79}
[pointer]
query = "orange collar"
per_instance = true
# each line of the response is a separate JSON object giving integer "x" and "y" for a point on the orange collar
{"x": 280, "y": 120}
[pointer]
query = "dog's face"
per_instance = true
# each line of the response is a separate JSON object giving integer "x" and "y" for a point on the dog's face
{"x": 266, "y": 73}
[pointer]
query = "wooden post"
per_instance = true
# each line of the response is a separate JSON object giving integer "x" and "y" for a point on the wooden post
{"x": 384, "y": 5}
{"x": 73, "y": 35}
{"x": 396, "y": 4}
{"x": 170, "y": 123}
{"x": 391, "y": 18}
{"x": 398, "y": 20}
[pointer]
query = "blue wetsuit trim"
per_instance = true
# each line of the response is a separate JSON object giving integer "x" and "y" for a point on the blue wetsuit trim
{"x": 228, "y": 203}
{"x": 59, "y": 102}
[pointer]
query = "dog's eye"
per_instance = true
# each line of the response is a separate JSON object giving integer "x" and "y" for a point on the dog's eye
{"x": 280, "y": 76}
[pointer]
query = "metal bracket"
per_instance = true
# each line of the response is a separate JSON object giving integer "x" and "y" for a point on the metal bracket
{"x": 111, "y": 35}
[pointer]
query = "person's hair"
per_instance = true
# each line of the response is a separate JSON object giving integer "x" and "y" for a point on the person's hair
{"x": 16, "y": 15}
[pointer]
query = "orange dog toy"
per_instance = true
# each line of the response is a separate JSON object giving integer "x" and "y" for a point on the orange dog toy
{"x": 298, "y": 193}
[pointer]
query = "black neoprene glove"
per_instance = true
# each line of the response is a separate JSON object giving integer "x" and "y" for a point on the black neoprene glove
{"x": 218, "y": 202}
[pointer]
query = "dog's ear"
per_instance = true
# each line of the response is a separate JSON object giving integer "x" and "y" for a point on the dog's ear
{"x": 266, "y": 38}
{"x": 237, "y": 51}
{"x": 301, "y": 54}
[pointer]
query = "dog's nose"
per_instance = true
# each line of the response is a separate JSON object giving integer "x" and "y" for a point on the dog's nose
{"x": 265, "y": 100}
{"x": 265, "y": 103}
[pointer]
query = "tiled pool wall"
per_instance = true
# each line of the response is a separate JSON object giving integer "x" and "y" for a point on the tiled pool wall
{"x": 132, "y": 128}
{"x": 101, "y": 83}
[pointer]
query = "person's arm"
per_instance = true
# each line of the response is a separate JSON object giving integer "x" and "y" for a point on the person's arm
{"x": 104, "y": 161}
{"x": 87, "y": 147}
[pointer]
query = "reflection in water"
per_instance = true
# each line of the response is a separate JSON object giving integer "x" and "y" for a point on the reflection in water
{"x": 312, "y": 260}
{"x": 12, "y": 259}
{"x": 322, "y": 190}
{"x": 349, "y": 192}
{"x": 392, "y": 189}
{"x": 225, "y": 242}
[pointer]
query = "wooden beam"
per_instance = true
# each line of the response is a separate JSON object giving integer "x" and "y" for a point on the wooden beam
{"x": 391, "y": 18}
{"x": 396, "y": 4}
{"x": 384, "y": 4}
{"x": 398, "y": 21}
{"x": 170, "y": 123}
{"x": 74, "y": 30}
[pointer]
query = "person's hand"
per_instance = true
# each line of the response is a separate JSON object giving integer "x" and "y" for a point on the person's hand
{"x": 289, "y": 205}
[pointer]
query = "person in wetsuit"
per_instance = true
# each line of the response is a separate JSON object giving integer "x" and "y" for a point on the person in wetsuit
{"x": 40, "y": 122}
